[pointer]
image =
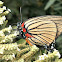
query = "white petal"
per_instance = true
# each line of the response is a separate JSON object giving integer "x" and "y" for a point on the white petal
{"x": 9, "y": 28}
{"x": 9, "y": 10}
{"x": 1, "y": 2}
{"x": 41, "y": 57}
{"x": 1, "y": 22}
{"x": 3, "y": 40}
{"x": 4, "y": 7}
{"x": 13, "y": 55}
{"x": 18, "y": 49}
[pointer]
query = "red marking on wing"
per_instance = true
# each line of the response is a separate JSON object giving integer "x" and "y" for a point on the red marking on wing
{"x": 24, "y": 30}
{"x": 28, "y": 35}
{"x": 22, "y": 24}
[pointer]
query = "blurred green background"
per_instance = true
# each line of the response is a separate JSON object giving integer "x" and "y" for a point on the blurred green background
{"x": 33, "y": 8}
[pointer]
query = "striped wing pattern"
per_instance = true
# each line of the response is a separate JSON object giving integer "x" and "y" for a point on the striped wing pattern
{"x": 59, "y": 27}
{"x": 43, "y": 29}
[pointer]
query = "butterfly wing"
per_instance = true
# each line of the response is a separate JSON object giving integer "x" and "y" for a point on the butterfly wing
{"x": 42, "y": 29}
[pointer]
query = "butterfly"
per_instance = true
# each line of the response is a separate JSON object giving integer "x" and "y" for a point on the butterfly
{"x": 42, "y": 30}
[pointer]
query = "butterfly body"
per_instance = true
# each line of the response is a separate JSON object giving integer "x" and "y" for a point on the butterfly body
{"x": 41, "y": 30}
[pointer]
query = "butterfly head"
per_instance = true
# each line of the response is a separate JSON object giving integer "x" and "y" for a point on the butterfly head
{"x": 21, "y": 29}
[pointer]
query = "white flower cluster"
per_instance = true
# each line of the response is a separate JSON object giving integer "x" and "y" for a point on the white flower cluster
{"x": 1, "y": 50}
{"x": 9, "y": 57}
{"x": 11, "y": 46}
{"x": 2, "y": 19}
{"x": 7, "y": 38}
{"x": 42, "y": 57}
{"x": 15, "y": 33}
{"x": 1, "y": 2}
{"x": 2, "y": 9}
{"x": 56, "y": 52}
{"x": 49, "y": 55}
{"x": 33, "y": 48}
{"x": 2, "y": 34}
{"x": 9, "y": 28}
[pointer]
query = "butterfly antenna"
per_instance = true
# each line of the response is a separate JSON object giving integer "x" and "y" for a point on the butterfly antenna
{"x": 21, "y": 14}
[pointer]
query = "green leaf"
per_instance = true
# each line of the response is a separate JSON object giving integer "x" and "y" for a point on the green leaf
{"x": 49, "y": 3}
{"x": 21, "y": 41}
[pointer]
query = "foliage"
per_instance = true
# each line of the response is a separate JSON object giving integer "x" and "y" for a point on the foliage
{"x": 59, "y": 44}
{"x": 32, "y": 8}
